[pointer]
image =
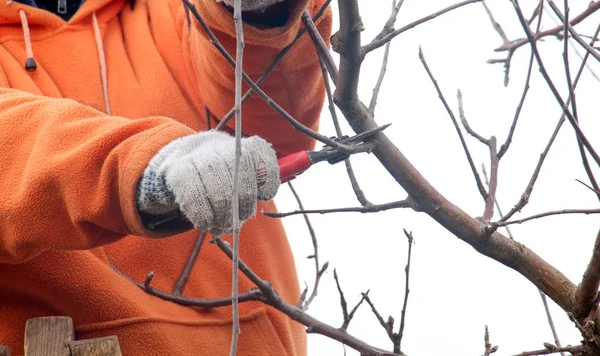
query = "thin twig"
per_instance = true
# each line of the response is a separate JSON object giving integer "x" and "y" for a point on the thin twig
{"x": 353, "y": 311}
{"x": 574, "y": 350}
{"x": 315, "y": 256}
{"x": 529, "y": 189}
{"x": 389, "y": 26}
{"x": 480, "y": 186}
{"x": 273, "y": 65}
{"x": 378, "y": 42}
{"x": 235, "y": 204}
{"x": 542, "y": 295}
{"x": 270, "y": 297}
{"x": 388, "y": 326}
{"x": 513, "y": 126}
{"x": 512, "y": 45}
{"x": 360, "y": 195}
{"x": 587, "y": 291}
{"x": 350, "y": 149}
{"x": 550, "y": 320}
{"x": 320, "y": 45}
{"x": 489, "y": 349}
{"x": 532, "y": 40}
{"x": 587, "y": 186}
{"x": 251, "y": 295}
{"x": 463, "y": 119}
{"x": 343, "y": 302}
{"x": 208, "y": 115}
{"x": 488, "y": 211}
{"x": 377, "y": 87}
{"x": 189, "y": 265}
{"x": 585, "y": 331}
{"x": 506, "y": 61}
{"x": 364, "y": 209}
{"x": 550, "y": 213}
{"x": 398, "y": 339}
{"x": 567, "y": 28}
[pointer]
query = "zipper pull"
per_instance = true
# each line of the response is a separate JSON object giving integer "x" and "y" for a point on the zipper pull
{"x": 62, "y": 7}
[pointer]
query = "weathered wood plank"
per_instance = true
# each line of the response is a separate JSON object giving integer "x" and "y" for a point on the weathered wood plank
{"x": 104, "y": 346}
{"x": 47, "y": 336}
{"x": 4, "y": 350}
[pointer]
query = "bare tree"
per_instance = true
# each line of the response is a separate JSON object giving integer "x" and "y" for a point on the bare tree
{"x": 482, "y": 232}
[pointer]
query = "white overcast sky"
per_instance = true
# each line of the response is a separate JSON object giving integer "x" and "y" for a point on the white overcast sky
{"x": 455, "y": 291}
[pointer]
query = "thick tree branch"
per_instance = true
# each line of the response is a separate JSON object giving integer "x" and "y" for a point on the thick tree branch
{"x": 587, "y": 291}
{"x": 492, "y": 244}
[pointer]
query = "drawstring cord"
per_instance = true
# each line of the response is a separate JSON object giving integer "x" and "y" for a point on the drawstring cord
{"x": 30, "y": 64}
{"x": 102, "y": 59}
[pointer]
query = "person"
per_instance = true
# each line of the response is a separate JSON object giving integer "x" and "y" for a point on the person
{"x": 103, "y": 131}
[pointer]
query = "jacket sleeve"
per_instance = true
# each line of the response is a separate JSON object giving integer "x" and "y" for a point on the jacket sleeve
{"x": 296, "y": 84}
{"x": 69, "y": 173}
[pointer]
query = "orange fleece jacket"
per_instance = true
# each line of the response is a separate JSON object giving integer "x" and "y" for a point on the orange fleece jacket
{"x": 69, "y": 172}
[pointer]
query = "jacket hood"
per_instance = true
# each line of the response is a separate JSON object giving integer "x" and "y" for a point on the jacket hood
{"x": 38, "y": 18}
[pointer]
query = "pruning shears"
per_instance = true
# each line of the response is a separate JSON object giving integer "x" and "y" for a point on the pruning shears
{"x": 293, "y": 165}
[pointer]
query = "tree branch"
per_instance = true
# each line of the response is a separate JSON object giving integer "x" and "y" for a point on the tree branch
{"x": 513, "y": 45}
{"x": 189, "y": 265}
{"x": 550, "y": 213}
{"x": 273, "y": 65}
{"x": 407, "y": 203}
{"x": 320, "y": 45}
{"x": 474, "y": 232}
{"x": 235, "y": 203}
{"x": 480, "y": 186}
{"x": 378, "y": 42}
{"x": 398, "y": 339}
{"x": 532, "y": 40}
{"x": 270, "y": 297}
{"x": 586, "y": 294}
{"x": 350, "y": 149}
{"x": 315, "y": 256}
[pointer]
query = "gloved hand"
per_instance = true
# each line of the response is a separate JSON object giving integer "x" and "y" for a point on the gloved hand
{"x": 253, "y": 5}
{"x": 195, "y": 175}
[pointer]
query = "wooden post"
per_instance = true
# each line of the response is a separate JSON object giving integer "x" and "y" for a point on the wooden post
{"x": 104, "y": 346}
{"x": 47, "y": 336}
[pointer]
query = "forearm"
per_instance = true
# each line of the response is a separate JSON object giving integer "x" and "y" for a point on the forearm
{"x": 70, "y": 173}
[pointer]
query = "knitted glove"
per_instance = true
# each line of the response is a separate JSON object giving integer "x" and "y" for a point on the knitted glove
{"x": 195, "y": 175}
{"x": 252, "y": 5}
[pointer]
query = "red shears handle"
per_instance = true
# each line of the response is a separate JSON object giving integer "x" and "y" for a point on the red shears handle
{"x": 292, "y": 165}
